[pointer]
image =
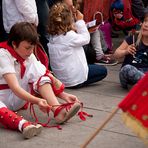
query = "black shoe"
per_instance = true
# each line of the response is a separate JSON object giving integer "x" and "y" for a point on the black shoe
{"x": 105, "y": 61}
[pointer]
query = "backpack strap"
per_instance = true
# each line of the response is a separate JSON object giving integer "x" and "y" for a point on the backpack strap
{"x": 41, "y": 55}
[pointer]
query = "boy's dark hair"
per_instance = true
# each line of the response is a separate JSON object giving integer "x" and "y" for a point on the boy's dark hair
{"x": 23, "y": 31}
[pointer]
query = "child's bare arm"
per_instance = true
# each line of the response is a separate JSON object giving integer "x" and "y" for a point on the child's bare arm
{"x": 79, "y": 15}
{"x": 122, "y": 50}
{"x": 22, "y": 94}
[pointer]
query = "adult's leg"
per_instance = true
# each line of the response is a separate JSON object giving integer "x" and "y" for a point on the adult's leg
{"x": 96, "y": 43}
{"x": 129, "y": 75}
{"x": 43, "y": 10}
{"x": 90, "y": 53}
{"x": 103, "y": 42}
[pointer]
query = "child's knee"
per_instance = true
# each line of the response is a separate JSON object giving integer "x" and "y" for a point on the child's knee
{"x": 126, "y": 68}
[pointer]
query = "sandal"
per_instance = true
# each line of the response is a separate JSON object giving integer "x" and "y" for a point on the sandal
{"x": 66, "y": 111}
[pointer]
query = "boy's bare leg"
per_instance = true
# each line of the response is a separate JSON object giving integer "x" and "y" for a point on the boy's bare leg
{"x": 47, "y": 93}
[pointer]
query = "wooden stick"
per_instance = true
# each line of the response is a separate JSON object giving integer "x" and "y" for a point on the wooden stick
{"x": 100, "y": 127}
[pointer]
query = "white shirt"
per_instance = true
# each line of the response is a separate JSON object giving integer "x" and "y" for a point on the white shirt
{"x": 67, "y": 57}
{"x": 19, "y": 11}
{"x": 34, "y": 70}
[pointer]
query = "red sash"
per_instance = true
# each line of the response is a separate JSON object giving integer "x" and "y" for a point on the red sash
{"x": 4, "y": 86}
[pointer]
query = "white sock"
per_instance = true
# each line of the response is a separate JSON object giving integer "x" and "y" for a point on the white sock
{"x": 21, "y": 124}
{"x": 2, "y": 105}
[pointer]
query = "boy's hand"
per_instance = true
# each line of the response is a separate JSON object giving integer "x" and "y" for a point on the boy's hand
{"x": 71, "y": 98}
{"x": 43, "y": 106}
{"x": 68, "y": 97}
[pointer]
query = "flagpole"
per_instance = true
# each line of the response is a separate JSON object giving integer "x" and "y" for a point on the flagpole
{"x": 100, "y": 127}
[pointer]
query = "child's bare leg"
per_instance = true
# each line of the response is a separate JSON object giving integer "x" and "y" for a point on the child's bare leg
{"x": 47, "y": 93}
{"x": 61, "y": 115}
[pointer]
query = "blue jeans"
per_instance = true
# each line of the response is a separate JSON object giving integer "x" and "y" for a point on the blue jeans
{"x": 95, "y": 73}
{"x": 42, "y": 10}
{"x": 130, "y": 75}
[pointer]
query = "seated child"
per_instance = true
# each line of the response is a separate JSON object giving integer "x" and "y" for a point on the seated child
{"x": 18, "y": 69}
{"x": 67, "y": 57}
{"x": 135, "y": 51}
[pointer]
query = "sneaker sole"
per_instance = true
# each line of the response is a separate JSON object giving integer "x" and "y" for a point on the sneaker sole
{"x": 31, "y": 131}
{"x": 109, "y": 64}
{"x": 70, "y": 113}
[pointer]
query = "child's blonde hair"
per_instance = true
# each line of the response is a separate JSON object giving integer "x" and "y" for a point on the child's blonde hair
{"x": 140, "y": 33}
{"x": 60, "y": 19}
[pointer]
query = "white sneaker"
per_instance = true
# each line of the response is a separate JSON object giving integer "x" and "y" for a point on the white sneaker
{"x": 30, "y": 130}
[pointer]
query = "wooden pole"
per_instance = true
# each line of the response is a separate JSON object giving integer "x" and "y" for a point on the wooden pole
{"x": 100, "y": 128}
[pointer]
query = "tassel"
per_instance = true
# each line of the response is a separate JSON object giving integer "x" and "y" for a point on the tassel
{"x": 83, "y": 114}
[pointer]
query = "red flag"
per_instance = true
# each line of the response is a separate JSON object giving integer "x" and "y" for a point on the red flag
{"x": 135, "y": 108}
{"x": 135, "y": 111}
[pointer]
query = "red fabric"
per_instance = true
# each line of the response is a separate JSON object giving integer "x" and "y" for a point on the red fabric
{"x": 125, "y": 24}
{"x": 39, "y": 53}
{"x": 15, "y": 55}
{"x": 4, "y": 86}
{"x": 41, "y": 56}
{"x": 66, "y": 106}
{"x": 82, "y": 115}
{"x": 57, "y": 89}
{"x": 128, "y": 19}
{"x": 91, "y": 6}
{"x": 136, "y": 102}
{"x": 9, "y": 119}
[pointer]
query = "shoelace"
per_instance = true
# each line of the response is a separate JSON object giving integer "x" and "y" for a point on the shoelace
{"x": 33, "y": 114}
{"x": 66, "y": 106}
{"x": 82, "y": 115}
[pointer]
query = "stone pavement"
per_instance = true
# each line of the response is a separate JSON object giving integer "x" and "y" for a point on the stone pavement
{"x": 99, "y": 99}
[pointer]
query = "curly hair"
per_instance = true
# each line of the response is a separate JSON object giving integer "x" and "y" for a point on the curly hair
{"x": 60, "y": 19}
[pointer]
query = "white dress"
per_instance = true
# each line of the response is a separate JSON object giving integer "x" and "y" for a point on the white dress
{"x": 34, "y": 70}
{"x": 67, "y": 57}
